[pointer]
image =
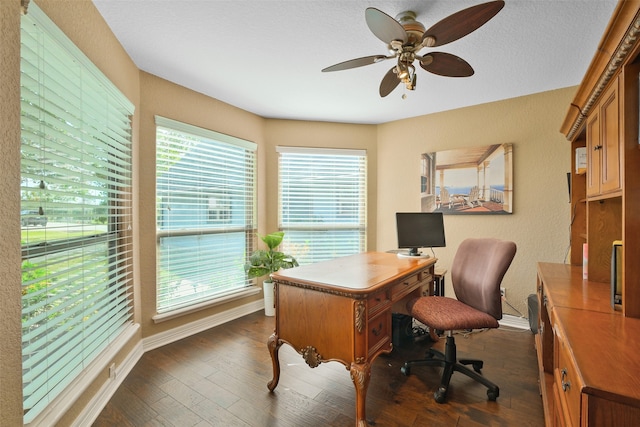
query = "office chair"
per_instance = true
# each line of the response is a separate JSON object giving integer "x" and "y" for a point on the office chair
{"x": 477, "y": 271}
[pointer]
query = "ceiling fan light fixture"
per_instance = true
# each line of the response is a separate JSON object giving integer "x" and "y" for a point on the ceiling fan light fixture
{"x": 411, "y": 84}
{"x": 402, "y": 70}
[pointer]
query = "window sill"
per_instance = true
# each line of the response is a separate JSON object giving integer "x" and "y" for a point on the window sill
{"x": 162, "y": 317}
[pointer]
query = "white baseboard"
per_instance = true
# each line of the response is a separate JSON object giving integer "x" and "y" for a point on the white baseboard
{"x": 514, "y": 322}
{"x": 63, "y": 401}
{"x": 91, "y": 412}
{"x": 175, "y": 334}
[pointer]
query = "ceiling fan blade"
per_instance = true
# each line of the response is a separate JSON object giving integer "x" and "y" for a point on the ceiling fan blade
{"x": 389, "y": 82}
{"x": 384, "y": 27}
{"x": 354, "y": 63}
{"x": 461, "y": 23}
{"x": 445, "y": 64}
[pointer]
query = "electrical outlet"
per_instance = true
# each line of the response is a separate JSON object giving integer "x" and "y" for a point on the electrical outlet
{"x": 503, "y": 292}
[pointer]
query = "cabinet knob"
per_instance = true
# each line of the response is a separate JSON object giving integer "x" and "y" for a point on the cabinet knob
{"x": 377, "y": 331}
{"x": 565, "y": 384}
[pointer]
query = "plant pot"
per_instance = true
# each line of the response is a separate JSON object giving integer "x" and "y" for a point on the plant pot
{"x": 269, "y": 298}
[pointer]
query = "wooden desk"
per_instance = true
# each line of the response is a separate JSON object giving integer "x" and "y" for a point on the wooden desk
{"x": 340, "y": 310}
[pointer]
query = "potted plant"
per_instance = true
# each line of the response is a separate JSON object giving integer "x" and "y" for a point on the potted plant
{"x": 266, "y": 262}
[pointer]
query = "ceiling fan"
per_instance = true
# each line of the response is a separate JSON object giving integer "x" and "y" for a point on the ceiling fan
{"x": 405, "y": 37}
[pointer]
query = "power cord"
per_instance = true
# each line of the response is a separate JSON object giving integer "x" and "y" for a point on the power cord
{"x": 512, "y": 307}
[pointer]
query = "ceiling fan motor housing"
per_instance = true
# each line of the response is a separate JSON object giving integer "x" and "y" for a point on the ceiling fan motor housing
{"x": 414, "y": 29}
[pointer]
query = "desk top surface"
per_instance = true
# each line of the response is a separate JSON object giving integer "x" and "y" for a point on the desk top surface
{"x": 361, "y": 273}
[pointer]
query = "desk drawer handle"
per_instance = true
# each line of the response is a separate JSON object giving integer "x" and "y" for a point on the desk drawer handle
{"x": 375, "y": 331}
{"x": 565, "y": 384}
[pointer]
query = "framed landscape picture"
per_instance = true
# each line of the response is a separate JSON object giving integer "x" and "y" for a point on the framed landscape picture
{"x": 474, "y": 180}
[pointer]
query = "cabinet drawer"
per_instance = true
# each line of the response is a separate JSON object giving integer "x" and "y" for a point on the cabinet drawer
{"x": 378, "y": 331}
{"x": 566, "y": 383}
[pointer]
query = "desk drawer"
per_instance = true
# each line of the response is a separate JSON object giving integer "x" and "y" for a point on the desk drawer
{"x": 423, "y": 278}
{"x": 378, "y": 332}
{"x": 566, "y": 383}
{"x": 377, "y": 302}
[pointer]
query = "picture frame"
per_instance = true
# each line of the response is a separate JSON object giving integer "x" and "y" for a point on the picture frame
{"x": 468, "y": 181}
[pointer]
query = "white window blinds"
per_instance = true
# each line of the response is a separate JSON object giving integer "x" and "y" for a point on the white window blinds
{"x": 205, "y": 212}
{"x": 322, "y": 202}
{"x": 75, "y": 211}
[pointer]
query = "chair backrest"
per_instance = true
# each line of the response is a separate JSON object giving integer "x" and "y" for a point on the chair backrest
{"x": 477, "y": 271}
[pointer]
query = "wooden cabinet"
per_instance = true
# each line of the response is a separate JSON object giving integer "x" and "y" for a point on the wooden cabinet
{"x": 603, "y": 145}
{"x": 603, "y": 117}
{"x": 588, "y": 353}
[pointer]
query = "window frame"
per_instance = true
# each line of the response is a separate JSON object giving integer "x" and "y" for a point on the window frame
{"x": 103, "y": 291}
{"x": 208, "y": 227}
{"x": 347, "y": 203}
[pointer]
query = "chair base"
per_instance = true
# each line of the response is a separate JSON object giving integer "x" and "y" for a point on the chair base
{"x": 448, "y": 361}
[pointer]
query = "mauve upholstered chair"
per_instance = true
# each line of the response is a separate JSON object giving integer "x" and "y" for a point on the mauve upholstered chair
{"x": 476, "y": 274}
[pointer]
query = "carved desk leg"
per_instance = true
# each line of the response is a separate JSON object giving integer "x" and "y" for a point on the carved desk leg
{"x": 360, "y": 375}
{"x": 274, "y": 345}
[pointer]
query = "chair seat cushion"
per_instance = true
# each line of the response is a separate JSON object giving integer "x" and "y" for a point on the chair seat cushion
{"x": 448, "y": 314}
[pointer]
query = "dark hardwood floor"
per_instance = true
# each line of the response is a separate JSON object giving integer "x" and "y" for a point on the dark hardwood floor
{"x": 219, "y": 378}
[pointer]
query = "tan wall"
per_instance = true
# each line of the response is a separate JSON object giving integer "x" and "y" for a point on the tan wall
{"x": 541, "y": 156}
{"x": 539, "y": 224}
{"x": 10, "y": 349}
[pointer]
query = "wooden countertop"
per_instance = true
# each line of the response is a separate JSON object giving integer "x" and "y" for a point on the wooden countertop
{"x": 604, "y": 343}
{"x": 570, "y": 290}
{"x": 606, "y": 348}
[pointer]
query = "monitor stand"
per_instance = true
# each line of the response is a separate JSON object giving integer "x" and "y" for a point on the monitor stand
{"x": 413, "y": 253}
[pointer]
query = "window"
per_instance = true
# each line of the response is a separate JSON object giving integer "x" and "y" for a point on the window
{"x": 75, "y": 213}
{"x": 205, "y": 214}
{"x": 322, "y": 202}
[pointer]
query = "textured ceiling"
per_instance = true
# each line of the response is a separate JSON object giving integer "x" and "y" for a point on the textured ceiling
{"x": 265, "y": 56}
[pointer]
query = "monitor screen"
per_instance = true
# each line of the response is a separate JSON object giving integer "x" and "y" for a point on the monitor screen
{"x": 420, "y": 230}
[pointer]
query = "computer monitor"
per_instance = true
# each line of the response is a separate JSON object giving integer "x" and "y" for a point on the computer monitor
{"x": 420, "y": 230}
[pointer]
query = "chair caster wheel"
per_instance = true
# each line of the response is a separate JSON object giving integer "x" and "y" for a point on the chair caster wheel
{"x": 477, "y": 367}
{"x": 493, "y": 395}
{"x": 440, "y": 395}
{"x": 406, "y": 370}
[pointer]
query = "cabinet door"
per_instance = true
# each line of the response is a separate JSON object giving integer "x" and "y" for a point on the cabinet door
{"x": 603, "y": 145}
{"x": 610, "y": 140}
{"x": 593, "y": 154}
